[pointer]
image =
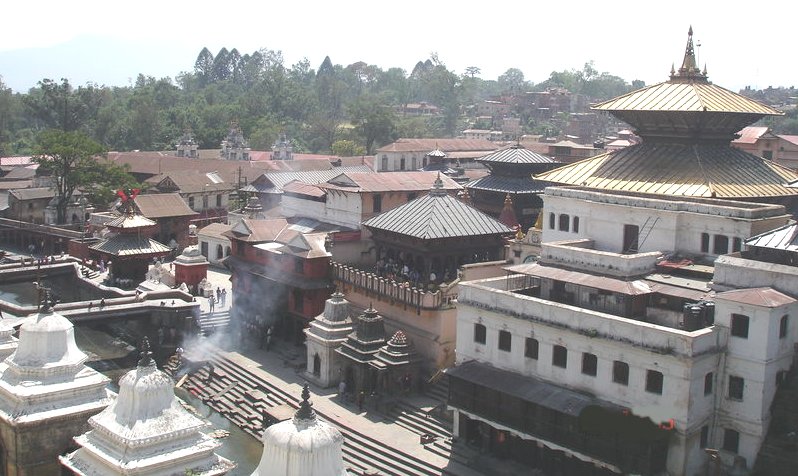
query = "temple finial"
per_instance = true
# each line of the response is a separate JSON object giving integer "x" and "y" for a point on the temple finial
{"x": 689, "y": 69}
{"x": 305, "y": 411}
{"x": 146, "y": 355}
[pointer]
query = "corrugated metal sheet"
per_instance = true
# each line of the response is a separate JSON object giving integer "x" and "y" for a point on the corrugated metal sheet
{"x": 498, "y": 183}
{"x": 685, "y": 96}
{"x": 389, "y": 182}
{"x": 517, "y": 155}
{"x": 278, "y": 179}
{"x": 782, "y": 238}
{"x": 162, "y": 205}
{"x": 764, "y": 297}
{"x": 437, "y": 216}
{"x": 677, "y": 169}
{"x": 130, "y": 221}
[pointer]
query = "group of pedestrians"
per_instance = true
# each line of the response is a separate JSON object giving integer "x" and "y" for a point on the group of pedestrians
{"x": 220, "y": 298}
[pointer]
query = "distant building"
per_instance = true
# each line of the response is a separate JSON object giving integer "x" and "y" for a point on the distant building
{"x": 762, "y": 142}
{"x": 408, "y": 154}
{"x": 213, "y": 242}
{"x": 208, "y": 193}
{"x": 172, "y": 215}
{"x": 187, "y": 146}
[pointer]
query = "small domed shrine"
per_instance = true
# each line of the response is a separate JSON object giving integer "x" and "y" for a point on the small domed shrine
{"x": 397, "y": 364}
{"x": 326, "y": 333}
{"x": 302, "y": 446}
{"x": 146, "y": 431}
{"x": 47, "y": 394}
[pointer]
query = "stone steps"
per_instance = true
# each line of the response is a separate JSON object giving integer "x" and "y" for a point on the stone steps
{"x": 417, "y": 421}
{"x": 218, "y": 321}
{"x": 362, "y": 454}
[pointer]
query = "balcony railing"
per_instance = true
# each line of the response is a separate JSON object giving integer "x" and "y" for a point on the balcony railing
{"x": 389, "y": 290}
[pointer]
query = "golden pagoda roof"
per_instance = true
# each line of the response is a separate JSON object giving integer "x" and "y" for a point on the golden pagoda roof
{"x": 687, "y": 106}
{"x": 686, "y": 97}
{"x": 694, "y": 170}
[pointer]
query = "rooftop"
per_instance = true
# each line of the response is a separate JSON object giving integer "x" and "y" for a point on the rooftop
{"x": 163, "y": 205}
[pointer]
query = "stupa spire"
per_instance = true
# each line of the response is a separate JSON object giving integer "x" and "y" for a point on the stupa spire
{"x": 689, "y": 69}
{"x": 305, "y": 411}
{"x": 146, "y": 355}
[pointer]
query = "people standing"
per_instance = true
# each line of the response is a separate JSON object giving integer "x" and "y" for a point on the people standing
{"x": 224, "y": 296}
{"x": 211, "y": 303}
{"x": 218, "y": 293}
{"x": 342, "y": 391}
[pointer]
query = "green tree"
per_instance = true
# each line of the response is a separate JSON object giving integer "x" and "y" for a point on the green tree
{"x": 347, "y": 148}
{"x": 203, "y": 66}
{"x": 71, "y": 159}
{"x": 373, "y": 121}
{"x": 513, "y": 82}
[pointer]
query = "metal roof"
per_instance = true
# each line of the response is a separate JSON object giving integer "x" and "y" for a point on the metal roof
{"x": 763, "y": 297}
{"x": 437, "y": 215}
{"x": 782, "y": 238}
{"x": 527, "y": 388}
{"x": 517, "y": 154}
{"x": 499, "y": 183}
{"x": 697, "y": 170}
{"x": 130, "y": 245}
{"x": 684, "y": 97}
{"x": 274, "y": 181}
{"x": 162, "y": 205}
{"x": 128, "y": 222}
{"x": 408, "y": 181}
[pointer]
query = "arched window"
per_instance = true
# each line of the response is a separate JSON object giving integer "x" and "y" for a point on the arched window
{"x": 219, "y": 252}
{"x": 552, "y": 220}
{"x": 565, "y": 222}
{"x": 227, "y": 251}
{"x": 576, "y": 225}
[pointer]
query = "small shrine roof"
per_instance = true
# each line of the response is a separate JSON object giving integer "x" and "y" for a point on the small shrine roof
{"x": 517, "y": 154}
{"x": 130, "y": 221}
{"x": 130, "y": 245}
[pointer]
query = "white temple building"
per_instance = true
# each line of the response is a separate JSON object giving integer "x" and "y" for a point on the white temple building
{"x": 302, "y": 446}
{"x": 8, "y": 343}
{"x": 146, "y": 432}
{"x": 47, "y": 395}
{"x": 326, "y": 333}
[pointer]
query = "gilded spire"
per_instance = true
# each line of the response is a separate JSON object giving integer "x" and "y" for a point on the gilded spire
{"x": 689, "y": 69}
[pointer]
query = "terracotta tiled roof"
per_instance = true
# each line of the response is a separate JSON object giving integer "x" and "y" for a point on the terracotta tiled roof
{"x": 163, "y": 205}
{"x": 300, "y": 188}
{"x": 215, "y": 230}
{"x": 388, "y": 182}
{"x": 33, "y": 193}
{"x": 192, "y": 181}
{"x": 447, "y": 145}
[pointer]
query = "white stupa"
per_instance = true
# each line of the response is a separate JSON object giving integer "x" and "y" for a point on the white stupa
{"x": 302, "y": 446}
{"x": 8, "y": 343}
{"x": 47, "y": 394}
{"x": 146, "y": 432}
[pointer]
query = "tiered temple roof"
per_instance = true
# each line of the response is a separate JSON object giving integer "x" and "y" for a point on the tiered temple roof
{"x": 687, "y": 124}
{"x": 366, "y": 339}
{"x": 335, "y": 323}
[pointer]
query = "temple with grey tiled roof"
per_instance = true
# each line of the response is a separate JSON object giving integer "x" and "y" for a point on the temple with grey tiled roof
{"x": 511, "y": 172}
{"x": 687, "y": 124}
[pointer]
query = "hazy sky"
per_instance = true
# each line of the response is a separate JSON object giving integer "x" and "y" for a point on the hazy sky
{"x": 742, "y": 43}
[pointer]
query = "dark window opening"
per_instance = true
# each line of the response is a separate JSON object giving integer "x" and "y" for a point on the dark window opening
{"x": 589, "y": 364}
{"x": 576, "y": 225}
{"x": 736, "y": 387}
{"x": 705, "y": 242}
{"x": 377, "y": 203}
{"x": 708, "y": 379}
{"x": 552, "y": 220}
{"x": 704, "y": 441}
{"x": 505, "y": 341}
{"x": 731, "y": 440}
{"x": 737, "y": 244}
{"x": 565, "y": 222}
{"x": 654, "y": 381}
{"x": 783, "y": 323}
{"x": 559, "y": 356}
{"x": 532, "y": 348}
{"x": 480, "y": 334}
{"x": 620, "y": 372}
{"x": 739, "y": 326}
{"x": 721, "y": 246}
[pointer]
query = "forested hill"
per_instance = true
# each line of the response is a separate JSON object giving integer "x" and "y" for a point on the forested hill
{"x": 347, "y": 110}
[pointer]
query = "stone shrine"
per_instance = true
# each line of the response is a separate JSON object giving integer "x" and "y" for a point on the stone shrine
{"x": 47, "y": 395}
{"x": 326, "y": 333}
{"x": 146, "y": 431}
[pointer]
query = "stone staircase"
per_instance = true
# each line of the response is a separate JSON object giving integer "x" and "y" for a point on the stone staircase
{"x": 241, "y": 396}
{"x": 216, "y": 322}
